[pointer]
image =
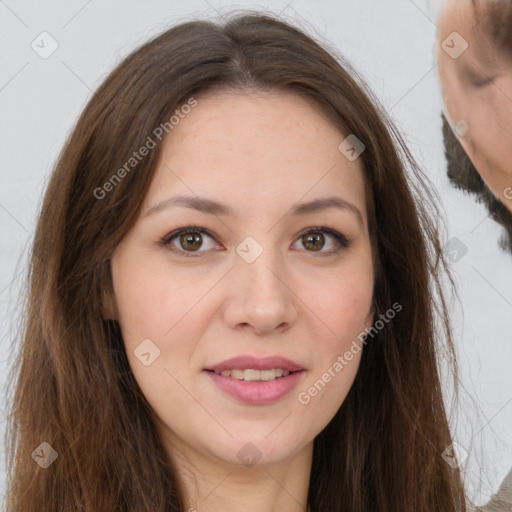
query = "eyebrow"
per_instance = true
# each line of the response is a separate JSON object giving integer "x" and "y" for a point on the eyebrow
{"x": 212, "y": 207}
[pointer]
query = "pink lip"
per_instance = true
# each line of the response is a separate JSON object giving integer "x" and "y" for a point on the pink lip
{"x": 257, "y": 392}
{"x": 249, "y": 362}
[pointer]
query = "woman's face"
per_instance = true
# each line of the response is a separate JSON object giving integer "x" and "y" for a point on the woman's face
{"x": 251, "y": 173}
{"x": 477, "y": 87}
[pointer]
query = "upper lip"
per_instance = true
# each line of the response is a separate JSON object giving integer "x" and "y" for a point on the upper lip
{"x": 250, "y": 362}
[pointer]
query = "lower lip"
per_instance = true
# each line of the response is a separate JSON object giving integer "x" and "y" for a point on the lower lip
{"x": 257, "y": 392}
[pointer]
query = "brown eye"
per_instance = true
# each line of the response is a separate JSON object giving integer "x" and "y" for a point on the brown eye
{"x": 313, "y": 241}
{"x": 191, "y": 241}
{"x": 323, "y": 240}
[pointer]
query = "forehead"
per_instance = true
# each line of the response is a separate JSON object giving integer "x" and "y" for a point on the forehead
{"x": 468, "y": 21}
{"x": 467, "y": 18}
{"x": 274, "y": 117}
{"x": 457, "y": 13}
{"x": 266, "y": 144}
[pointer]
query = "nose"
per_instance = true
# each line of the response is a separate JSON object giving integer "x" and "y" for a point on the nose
{"x": 260, "y": 297}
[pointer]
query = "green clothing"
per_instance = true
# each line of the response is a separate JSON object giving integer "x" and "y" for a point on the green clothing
{"x": 502, "y": 500}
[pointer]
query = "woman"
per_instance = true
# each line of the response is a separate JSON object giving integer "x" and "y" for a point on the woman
{"x": 232, "y": 293}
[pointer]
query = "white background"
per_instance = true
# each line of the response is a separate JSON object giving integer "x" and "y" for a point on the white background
{"x": 390, "y": 42}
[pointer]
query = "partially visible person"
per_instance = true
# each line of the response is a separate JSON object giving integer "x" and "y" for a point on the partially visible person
{"x": 475, "y": 67}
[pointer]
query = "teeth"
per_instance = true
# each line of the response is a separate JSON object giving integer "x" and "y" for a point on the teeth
{"x": 254, "y": 375}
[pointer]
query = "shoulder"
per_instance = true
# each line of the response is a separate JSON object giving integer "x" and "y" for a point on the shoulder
{"x": 502, "y": 500}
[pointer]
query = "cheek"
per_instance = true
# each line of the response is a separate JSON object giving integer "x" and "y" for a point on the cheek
{"x": 337, "y": 353}
{"x": 342, "y": 311}
{"x": 152, "y": 300}
{"x": 167, "y": 308}
{"x": 486, "y": 143}
{"x": 344, "y": 302}
{"x": 160, "y": 328}
{"x": 499, "y": 124}
{"x": 140, "y": 300}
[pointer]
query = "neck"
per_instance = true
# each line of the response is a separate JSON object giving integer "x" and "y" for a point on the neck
{"x": 213, "y": 485}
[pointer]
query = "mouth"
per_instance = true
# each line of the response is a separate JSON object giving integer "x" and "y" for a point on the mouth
{"x": 256, "y": 387}
{"x": 250, "y": 363}
{"x": 252, "y": 375}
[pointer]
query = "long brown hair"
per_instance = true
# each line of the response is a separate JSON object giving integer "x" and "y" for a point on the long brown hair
{"x": 73, "y": 385}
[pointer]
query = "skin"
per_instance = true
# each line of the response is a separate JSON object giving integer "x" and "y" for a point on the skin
{"x": 477, "y": 89}
{"x": 260, "y": 153}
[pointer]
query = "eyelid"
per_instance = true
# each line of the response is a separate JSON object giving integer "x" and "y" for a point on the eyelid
{"x": 481, "y": 83}
{"x": 343, "y": 241}
{"x": 477, "y": 80}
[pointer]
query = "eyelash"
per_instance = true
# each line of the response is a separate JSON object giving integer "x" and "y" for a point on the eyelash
{"x": 341, "y": 239}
